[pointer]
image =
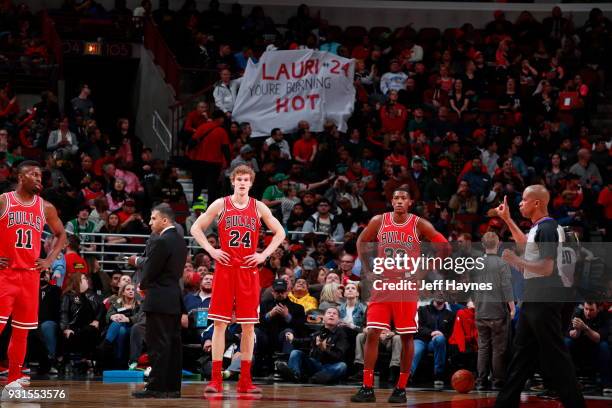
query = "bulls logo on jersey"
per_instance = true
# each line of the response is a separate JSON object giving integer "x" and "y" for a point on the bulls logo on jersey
{"x": 239, "y": 230}
{"x": 21, "y": 226}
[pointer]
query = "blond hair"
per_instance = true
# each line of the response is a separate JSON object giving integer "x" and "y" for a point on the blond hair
{"x": 490, "y": 240}
{"x": 329, "y": 292}
{"x": 242, "y": 169}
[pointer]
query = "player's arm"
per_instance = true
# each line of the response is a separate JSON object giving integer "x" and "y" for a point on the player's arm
{"x": 4, "y": 261}
{"x": 427, "y": 231}
{"x": 503, "y": 212}
{"x": 277, "y": 229}
{"x": 364, "y": 247}
{"x": 202, "y": 223}
{"x": 59, "y": 234}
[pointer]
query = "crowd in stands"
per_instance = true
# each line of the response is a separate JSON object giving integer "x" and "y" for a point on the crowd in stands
{"x": 463, "y": 118}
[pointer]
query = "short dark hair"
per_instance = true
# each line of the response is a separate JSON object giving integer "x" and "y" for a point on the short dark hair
{"x": 74, "y": 242}
{"x": 273, "y": 131}
{"x": 403, "y": 189}
{"x": 27, "y": 163}
{"x": 165, "y": 210}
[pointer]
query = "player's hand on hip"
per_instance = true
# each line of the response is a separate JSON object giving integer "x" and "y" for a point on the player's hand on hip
{"x": 43, "y": 263}
{"x": 4, "y": 262}
{"x": 502, "y": 210}
{"x": 255, "y": 259}
{"x": 220, "y": 256}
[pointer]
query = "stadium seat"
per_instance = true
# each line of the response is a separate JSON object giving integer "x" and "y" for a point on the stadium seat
{"x": 487, "y": 105}
{"x": 353, "y": 35}
{"x": 378, "y": 31}
{"x": 428, "y": 35}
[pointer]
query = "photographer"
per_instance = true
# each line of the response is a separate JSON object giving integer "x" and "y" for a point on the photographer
{"x": 587, "y": 340}
{"x": 325, "y": 361}
{"x": 281, "y": 320}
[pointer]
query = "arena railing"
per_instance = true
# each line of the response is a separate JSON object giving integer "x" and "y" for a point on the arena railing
{"x": 109, "y": 258}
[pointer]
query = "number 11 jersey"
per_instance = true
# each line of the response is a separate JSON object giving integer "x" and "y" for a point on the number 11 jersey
{"x": 21, "y": 227}
{"x": 239, "y": 231}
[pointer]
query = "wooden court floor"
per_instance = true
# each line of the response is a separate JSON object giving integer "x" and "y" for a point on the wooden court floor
{"x": 92, "y": 394}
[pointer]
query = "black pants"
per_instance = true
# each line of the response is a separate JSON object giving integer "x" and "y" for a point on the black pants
{"x": 539, "y": 339}
{"x": 163, "y": 338}
{"x": 206, "y": 175}
{"x": 137, "y": 340}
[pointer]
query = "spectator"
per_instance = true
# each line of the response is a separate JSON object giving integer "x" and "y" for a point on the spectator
{"x": 435, "y": 326}
{"x": 463, "y": 201}
{"x": 209, "y": 155}
{"x": 394, "y": 80}
{"x": 119, "y": 319}
{"x": 81, "y": 226}
{"x": 81, "y": 314}
{"x": 274, "y": 194}
{"x": 117, "y": 196}
{"x": 58, "y": 267}
{"x": 331, "y": 295}
{"x": 49, "y": 318}
{"x": 324, "y": 222}
{"x": 113, "y": 237}
{"x": 393, "y": 115}
{"x": 74, "y": 261}
{"x": 81, "y": 104}
{"x": 324, "y": 363}
{"x": 305, "y": 148}
{"x": 352, "y": 311}
{"x": 195, "y": 118}
{"x": 588, "y": 340}
{"x": 490, "y": 157}
{"x": 494, "y": 310}
{"x": 300, "y": 295}
{"x": 246, "y": 157}
{"x": 277, "y": 138}
{"x": 281, "y": 320}
{"x": 588, "y": 171}
{"x": 478, "y": 178}
{"x": 225, "y": 92}
{"x": 62, "y": 142}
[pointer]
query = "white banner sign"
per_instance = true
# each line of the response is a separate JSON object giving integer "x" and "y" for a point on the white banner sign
{"x": 285, "y": 87}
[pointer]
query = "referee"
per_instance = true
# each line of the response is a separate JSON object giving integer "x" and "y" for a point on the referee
{"x": 539, "y": 331}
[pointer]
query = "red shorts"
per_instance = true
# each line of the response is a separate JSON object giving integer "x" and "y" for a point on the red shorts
{"x": 235, "y": 289}
{"x": 19, "y": 297}
{"x": 403, "y": 315}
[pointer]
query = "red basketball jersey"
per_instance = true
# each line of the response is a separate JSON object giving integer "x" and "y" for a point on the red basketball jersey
{"x": 398, "y": 239}
{"x": 239, "y": 231}
{"x": 21, "y": 227}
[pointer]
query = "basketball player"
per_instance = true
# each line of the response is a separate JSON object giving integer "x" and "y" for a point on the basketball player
{"x": 23, "y": 215}
{"x": 539, "y": 333}
{"x": 395, "y": 233}
{"x": 236, "y": 279}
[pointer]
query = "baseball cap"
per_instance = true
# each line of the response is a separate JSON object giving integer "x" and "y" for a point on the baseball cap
{"x": 278, "y": 177}
{"x": 309, "y": 264}
{"x": 246, "y": 149}
{"x": 130, "y": 201}
{"x": 279, "y": 285}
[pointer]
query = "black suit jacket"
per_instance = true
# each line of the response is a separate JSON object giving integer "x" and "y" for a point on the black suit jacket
{"x": 161, "y": 272}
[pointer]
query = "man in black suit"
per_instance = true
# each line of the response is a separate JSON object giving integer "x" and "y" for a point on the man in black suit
{"x": 163, "y": 305}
